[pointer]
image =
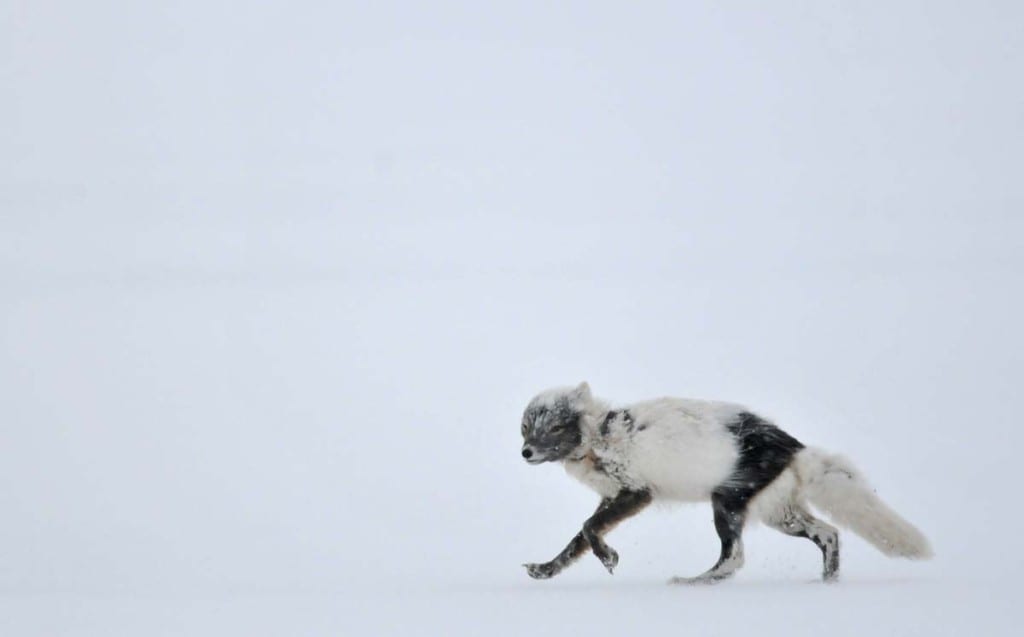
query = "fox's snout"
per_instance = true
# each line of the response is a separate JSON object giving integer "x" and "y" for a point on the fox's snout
{"x": 531, "y": 455}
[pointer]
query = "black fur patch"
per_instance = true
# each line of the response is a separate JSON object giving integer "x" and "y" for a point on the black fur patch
{"x": 627, "y": 421}
{"x": 729, "y": 521}
{"x": 765, "y": 451}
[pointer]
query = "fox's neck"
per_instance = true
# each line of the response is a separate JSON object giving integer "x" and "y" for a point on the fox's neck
{"x": 590, "y": 421}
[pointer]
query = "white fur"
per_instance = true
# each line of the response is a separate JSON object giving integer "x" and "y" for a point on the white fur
{"x": 684, "y": 452}
{"x": 772, "y": 503}
{"x": 833, "y": 485}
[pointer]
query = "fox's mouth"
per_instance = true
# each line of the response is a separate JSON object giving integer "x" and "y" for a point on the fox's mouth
{"x": 535, "y": 459}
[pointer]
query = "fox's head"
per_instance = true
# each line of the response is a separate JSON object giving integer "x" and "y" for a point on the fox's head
{"x": 551, "y": 423}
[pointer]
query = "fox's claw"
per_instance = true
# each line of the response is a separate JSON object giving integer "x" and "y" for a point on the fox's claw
{"x": 540, "y": 571}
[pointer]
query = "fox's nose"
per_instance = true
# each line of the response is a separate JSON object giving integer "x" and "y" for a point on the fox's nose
{"x": 527, "y": 453}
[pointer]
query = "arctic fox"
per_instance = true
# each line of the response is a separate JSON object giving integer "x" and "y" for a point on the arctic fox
{"x": 695, "y": 451}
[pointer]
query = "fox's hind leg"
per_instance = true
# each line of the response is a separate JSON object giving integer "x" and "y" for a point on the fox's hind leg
{"x": 730, "y": 516}
{"x": 765, "y": 452}
{"x": 795, "y": 520}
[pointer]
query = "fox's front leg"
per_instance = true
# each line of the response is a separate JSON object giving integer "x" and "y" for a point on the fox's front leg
{"x": 576, "y": 547}
{"x": 610, "y": 512}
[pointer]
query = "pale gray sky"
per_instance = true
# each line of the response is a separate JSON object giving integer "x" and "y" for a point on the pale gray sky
{"x": 276, "y": 281}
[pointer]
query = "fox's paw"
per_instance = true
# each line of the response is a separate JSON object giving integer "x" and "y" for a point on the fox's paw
{"x": 546, "y": 570}
{"x": 608, "y": 557}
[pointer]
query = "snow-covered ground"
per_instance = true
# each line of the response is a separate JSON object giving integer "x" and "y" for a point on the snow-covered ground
{"x": 275, "y": 286}
{"x": 766, "y": 607}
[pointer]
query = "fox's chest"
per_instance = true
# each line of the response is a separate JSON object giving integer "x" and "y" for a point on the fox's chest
{"x": 605, "y": 475}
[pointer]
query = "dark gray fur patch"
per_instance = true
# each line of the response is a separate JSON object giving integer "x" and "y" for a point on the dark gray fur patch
{"x": 627, "y": 420}
{"x": 553, "y": 430}
{"x": 610, "y": 512}
{"x": 613, "y": 470}
{"x": 605, "y": 427}
{"x": 626, "y": 503}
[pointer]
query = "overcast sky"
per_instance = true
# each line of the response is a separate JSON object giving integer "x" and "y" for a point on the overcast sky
{"x": 277, "y": 279}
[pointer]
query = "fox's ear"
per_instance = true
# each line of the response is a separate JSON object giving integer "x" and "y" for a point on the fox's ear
{"x": 582, "y": 393}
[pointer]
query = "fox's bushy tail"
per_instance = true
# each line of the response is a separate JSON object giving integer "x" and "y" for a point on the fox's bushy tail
{"x": 833, "y": 485}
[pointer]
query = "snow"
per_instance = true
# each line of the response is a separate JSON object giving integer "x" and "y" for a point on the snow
{"x": 771, "y": 606}
{"x": 275, "y": 287}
